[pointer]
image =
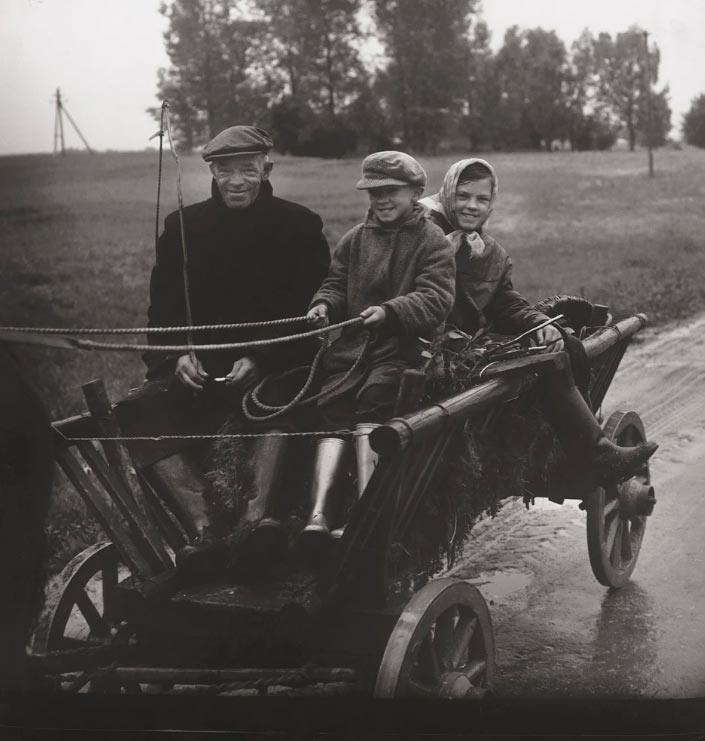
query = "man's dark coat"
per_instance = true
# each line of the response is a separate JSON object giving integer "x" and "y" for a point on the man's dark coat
{"x": 244, "y": 265}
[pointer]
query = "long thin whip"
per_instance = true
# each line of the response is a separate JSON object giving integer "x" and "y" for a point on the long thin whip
{"x": 184, "y": 249}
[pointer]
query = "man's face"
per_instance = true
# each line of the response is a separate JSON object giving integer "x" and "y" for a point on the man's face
{"x": 391, "y": 203}
{"x": 473, "y": 204}
{"x": 239, "y": 178}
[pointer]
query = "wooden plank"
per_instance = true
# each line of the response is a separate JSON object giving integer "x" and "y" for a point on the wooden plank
{"x": 82, "y": 425}
{"x": 118, "y": 460}
{"x": 170, "y": 530}
{"x": 116, "y": 492}
{"x": 105, "y": 512}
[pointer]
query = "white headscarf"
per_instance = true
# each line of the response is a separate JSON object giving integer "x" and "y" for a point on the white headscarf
{"x": 444, "y": 203}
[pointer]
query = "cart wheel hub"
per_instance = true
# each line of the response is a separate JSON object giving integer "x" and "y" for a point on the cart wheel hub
{"x": 636, "y": 499}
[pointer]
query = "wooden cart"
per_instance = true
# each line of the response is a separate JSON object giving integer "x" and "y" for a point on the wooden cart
{"x": 341, "y": 630}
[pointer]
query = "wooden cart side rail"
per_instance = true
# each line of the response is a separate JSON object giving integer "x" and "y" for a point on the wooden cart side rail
{"x": 510, "y": 379}
{"x": 80, "y": 425}
{"x": 103, "y": 475}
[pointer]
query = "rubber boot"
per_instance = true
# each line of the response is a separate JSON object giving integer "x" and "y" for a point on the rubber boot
{"x": 598, "y": 460}
{"x": 366, "y": 461}
{"x": 206, "y": 553}
{"x": 265, "y": 540}
{"x": 327, "y": 474}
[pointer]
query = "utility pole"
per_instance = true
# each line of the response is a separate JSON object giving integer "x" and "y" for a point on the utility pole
{"x": 59, "y": 114}
{"x": 59, "y": 124}
{"x": 649, "y": 126}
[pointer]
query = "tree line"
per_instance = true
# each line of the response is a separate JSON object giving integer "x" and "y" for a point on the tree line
{"x": 303, "y": 69}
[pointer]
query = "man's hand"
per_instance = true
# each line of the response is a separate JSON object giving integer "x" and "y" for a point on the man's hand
{"x": 244, "y": 374}
{"x": 189, "y": 373}
{"x": 318, "y": 315}
{"x": 550, "y": 337}
{"x": 374, "y": 316}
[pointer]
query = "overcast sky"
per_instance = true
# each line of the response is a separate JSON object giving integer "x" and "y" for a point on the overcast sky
{"x": 104, "y": 54}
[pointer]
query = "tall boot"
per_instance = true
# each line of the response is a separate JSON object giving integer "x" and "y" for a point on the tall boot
{"x": 366, "y": 461}
{"x": 265, "y": 540}
{"x": 328, "y": 470}
{"x": 205, "y": 553}
{"x": 599, "y": 461}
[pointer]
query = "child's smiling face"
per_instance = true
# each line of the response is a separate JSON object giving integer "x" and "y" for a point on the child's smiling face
{"x": 473, "y": 203}
{"x": 392, "y": 203}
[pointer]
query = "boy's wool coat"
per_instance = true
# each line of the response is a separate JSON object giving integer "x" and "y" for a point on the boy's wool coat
{"x": 409, "y": 270}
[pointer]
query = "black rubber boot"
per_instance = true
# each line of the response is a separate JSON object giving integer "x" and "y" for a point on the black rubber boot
{"x": 266, "y": 540}
{"x": 598, "y": 460}
{"x": 204, "y": 557}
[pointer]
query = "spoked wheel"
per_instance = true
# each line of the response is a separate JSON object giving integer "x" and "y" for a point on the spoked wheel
{"x": 616, "y": 514}
{"x": 441, "y": 647}
{"x": 81, "y": 614}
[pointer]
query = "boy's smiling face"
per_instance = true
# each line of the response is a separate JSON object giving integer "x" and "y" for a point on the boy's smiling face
{"x": 392, "y": 203}
{"x": 473, "y": 203}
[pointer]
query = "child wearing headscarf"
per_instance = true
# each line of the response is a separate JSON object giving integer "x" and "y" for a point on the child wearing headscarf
{"x": 485, "y": 297}
{"x": 484, "y": 292}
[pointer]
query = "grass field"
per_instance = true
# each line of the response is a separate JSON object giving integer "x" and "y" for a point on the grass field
{"x": 77, "y": 236}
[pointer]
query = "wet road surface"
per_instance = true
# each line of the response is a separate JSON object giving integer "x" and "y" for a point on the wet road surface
{"x": 559, "y": 633}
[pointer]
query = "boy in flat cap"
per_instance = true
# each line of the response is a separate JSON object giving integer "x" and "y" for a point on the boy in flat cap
{"x": 396, "y": 271}
{"x": 252, "y": 257}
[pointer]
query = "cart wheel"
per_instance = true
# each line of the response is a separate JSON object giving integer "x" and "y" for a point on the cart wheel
{"x": 441, "y": 647}
{"x": 81, "y": 612}
{"x": 616, "y": 514}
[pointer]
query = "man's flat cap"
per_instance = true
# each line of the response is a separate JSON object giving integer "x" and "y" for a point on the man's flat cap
{"x": 391, "y": 168}
{"x": 238, "y": 140}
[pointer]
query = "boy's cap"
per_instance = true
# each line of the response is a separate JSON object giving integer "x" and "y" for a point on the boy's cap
{"x": 238, "y": 140}
{"x": 390, "y": 168}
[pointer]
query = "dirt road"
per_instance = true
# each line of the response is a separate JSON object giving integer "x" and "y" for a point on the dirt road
{"x": 558, "y": 632}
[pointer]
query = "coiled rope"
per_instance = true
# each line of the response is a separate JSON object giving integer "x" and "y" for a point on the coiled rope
{"x": 272, "y": 412}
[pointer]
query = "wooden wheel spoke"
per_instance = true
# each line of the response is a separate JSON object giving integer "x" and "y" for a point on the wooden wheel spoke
{"x": 443, "y": 636}
{"x": 610, "y": 507}
{"x": 464, "y": 631}
{"x": 615, "y": 547}
{"x": 611, "y": 533}
{"x": 475, "y": 670}
{"x": 97, "y": 625}
{"x": 110, "y": 579}
{"x": 429, "y": 660}
{"x": 626, "y": 541}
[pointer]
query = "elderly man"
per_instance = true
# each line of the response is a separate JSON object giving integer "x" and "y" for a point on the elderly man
{"x": 251, "y": 257}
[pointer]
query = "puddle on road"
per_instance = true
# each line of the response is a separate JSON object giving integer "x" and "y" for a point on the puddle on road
{"x": 499, "y": 585}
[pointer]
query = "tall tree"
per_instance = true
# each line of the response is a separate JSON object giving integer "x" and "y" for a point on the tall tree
{"x": 483, "y": 92}
{"x": 694, "y": 122}
{"x": 532, "y": 65}
{"x": 625, "y": 71}
{"x": 579, "y": 84}
{"x": 426, "y": 78}
{"x": 312, "y": 46}
{"x": 208, "y": 43}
